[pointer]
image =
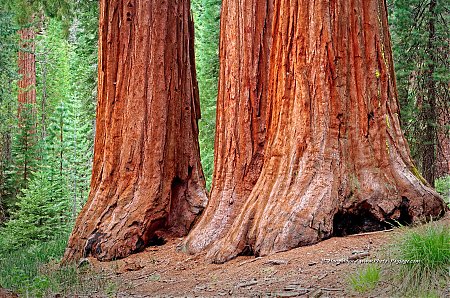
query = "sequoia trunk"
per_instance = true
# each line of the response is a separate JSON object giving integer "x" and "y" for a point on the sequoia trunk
{"x": 26, "y": 110}
{"x": 27, "y": 67}
{"x": 147, "y": 178}
{"x": 335, "y": 161}
{"x": 245, "y": 39}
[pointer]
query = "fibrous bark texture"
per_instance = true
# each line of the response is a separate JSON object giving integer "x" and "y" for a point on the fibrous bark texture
{"x": 26, "y": 110}
{"x": 245, "y": 39}
{"x": 27, "y": 67}
{"x": 147, "y": 176}
{"x": 336, "y": 161}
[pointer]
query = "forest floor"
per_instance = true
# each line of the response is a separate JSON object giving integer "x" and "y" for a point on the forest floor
{"x": 319, "y": 270}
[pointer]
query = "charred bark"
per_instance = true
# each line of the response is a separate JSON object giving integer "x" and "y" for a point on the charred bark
{"x": 245, "y": 39}
{"x": 147, "y": 179}
{"x": 335, "y": 155}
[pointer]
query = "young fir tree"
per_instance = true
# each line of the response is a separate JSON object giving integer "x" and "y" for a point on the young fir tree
{"x": 40, "y": 214}
{"x": 83, "y": 92}
{"x": 8, "y": 103}
{"x": 49, "y": 192}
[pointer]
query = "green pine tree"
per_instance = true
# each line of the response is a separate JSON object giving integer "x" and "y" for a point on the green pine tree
{"x": 420, "y": 43}
{"x": 41, "y": 213}
{"x": 207, "y": 26}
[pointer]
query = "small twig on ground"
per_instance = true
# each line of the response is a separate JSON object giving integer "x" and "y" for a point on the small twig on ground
{"x": 331, "y": 289}
{"x": 249, "y": 261}
{"x": 276, "y": 262}
{"x": 370, "y": 233}
{"x": 358, "y": 256}
{"x": 247, "y": 283}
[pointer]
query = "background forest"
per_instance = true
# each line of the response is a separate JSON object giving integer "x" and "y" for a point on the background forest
{"x": 46, "y": 141}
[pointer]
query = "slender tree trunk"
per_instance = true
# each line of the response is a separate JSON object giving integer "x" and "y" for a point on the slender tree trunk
{"x": 27, "y": 95}
{"x": 245, "y": 38}
{"x": 44, "y": 96}
{"x": 429, "y": 107}
{"x": 27, "y": 67}
{"x": 335, "y": 161}
{"x": 147, "y": 176}
{"x": 443, "y": 141}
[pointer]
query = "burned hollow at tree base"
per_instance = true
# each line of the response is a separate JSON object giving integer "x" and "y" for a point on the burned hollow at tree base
{"x": 336, "y": 161}
{"x": 147, "y": 180}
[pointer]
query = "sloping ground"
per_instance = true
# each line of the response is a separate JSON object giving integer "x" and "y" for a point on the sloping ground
{"x": 312, "y": 271}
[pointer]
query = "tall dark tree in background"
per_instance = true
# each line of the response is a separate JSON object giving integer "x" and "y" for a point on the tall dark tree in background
{"x": 60, "y": 121}
{"x": 24, "y": 142}
{"x": 420, "y": 36}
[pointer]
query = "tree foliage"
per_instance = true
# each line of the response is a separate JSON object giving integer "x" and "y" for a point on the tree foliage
{"x": 59, "y": 126}
{"x": 420, "y": 41}
{"x": 8, "y": 102}
{"x": 206, "y": 20}
{"x": 40, "y": 214}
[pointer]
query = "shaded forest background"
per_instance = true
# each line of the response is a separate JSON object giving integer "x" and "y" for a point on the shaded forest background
{"x": 46, "y": 144}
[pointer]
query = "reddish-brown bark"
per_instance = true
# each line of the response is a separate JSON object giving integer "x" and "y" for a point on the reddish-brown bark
{"x": 245, "y": 38}
{"x": 26, "y": 97}
{"x": 27, "y": 67}
{"x": 147, "y": 176}
{"x": 335, "y": 161}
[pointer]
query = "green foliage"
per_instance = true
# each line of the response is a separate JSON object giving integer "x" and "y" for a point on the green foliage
{"x": 421, "y": 61}
{"x": 443, "y": 187}
{"x": 430, "y": 246}
{"x": 60, "y": 127}
{"x": 19, "y": 269}
{"x": 24, "y": 155}
{"x": 25, "y": 10}
{"x": 81, "y": 108}
{"x": 206, "y": 20}
{"x": 46, "y": 157}
{"x": 8, "y": 102}
{"x": 34, "y": 272}
{"x": 67, "y": 107}
{"x": 40, "y": 216}
{"x": 366, "y": 279}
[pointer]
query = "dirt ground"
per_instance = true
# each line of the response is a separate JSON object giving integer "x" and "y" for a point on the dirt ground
{"x": 312, "y": 271}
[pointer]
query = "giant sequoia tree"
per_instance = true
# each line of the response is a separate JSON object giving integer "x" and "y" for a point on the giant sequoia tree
{"x": 27, "y": 66}
{"x": 241, "y": 115}
{"x": 25, "y": 141}
{"x": 147, "y": 175}
{"x": 335, "y": 160}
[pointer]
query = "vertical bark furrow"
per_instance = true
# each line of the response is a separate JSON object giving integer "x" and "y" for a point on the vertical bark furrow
{"x": 27, "y": 67}
{"x": 147, "y": 179}
{"x": 336, "y": 161}
{"x": 241, "y": 115}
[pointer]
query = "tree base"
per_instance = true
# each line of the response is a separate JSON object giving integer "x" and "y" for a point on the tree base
{"x": 286, "y": 213}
